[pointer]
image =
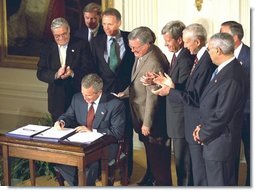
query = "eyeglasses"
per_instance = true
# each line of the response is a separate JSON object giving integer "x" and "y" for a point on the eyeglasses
{"x": 137, "y": 49}
{"x": 58, "y": 36}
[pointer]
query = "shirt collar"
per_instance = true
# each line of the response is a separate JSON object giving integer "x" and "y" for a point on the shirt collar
{"x": 238, "y": 50}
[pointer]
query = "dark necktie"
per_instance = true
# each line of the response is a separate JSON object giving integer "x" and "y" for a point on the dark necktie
{"x": 194, "y": 65}
{"x": 113, "y": 59}
{"x": 172, "y": 63}
{"x": 90, "y": 116}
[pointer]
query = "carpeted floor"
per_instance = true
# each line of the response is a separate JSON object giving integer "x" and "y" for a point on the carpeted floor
{"x": 138, "y": 172}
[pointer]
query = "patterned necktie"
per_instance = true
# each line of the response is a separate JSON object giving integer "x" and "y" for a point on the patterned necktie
{"x": 113, "y": 59}
{"x": 194, "y": 65}
{"x": 90, "y": 116}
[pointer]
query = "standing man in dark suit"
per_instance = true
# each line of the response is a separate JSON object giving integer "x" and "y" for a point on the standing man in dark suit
{"x": 92, "y": 26}
{"x": 62, "y": 65}
{"x": 109, "y": 119}
{"x": 242, "y": 53}
{"x": 115, "y": 67}
{"x": 179, "y": 71}
{"x": 194, "y": 37}
{"x": 148, "y": 110}
{"x": 221, "y": 108}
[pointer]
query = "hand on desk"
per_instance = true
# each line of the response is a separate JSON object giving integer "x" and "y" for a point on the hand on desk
{"x": 83, "y": 128}
{"x": 59, "y": 125}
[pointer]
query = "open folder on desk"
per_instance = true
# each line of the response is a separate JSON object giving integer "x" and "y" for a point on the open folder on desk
{"x": 54, "y": 134}
{"x": 27, "y": 131}
{"x": 84, "y": 137}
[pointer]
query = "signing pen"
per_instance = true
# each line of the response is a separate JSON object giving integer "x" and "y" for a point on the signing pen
{"x": 25, "y": 129}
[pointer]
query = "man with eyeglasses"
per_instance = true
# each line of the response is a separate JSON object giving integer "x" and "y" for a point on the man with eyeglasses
{"x": 148, "y": 110}
{"x": 62, "y": 64}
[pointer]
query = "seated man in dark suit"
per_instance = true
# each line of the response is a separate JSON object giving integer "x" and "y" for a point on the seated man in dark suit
{"x": 109, "y": 118}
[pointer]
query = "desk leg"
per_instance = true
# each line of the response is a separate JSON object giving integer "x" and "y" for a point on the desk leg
{"x": 6, "y": 165}
{"x": 82, "y": 180}
{"x": 104, "y": 167}
{"x": 32, "y": 171}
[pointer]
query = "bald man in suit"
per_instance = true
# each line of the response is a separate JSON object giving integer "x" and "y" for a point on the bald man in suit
{"x": 221, "y": 108}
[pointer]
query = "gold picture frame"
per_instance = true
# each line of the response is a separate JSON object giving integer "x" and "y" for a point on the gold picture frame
{"x": 8, "y": 57}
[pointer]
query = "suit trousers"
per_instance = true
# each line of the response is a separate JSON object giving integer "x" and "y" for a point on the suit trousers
{"x": 246, "y": 138}
{"x": 198, "y": 165}
{"x": 70, "y": 173}
{"x": 182, "y": 162}
{"x": 220, "y": 173}
{"x": 158, "y": 156}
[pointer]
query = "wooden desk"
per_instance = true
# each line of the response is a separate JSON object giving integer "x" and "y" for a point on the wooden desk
{"x": 78, "y": 155}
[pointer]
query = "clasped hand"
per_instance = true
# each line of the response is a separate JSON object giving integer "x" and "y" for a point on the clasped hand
{"x": 64, "y": 72}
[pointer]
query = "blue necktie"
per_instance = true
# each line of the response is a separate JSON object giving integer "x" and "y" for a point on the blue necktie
{"x": 113, "y": 59}
{"x": 214, "y": 74}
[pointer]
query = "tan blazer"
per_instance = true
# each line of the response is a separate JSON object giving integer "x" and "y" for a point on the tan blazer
{"x": 146, "y": 108}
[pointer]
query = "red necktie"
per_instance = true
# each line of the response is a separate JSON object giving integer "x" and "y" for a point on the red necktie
{"x": 194, "y": 65}
{"x": 90, "y": 116}
{"x": 172, "y": 62}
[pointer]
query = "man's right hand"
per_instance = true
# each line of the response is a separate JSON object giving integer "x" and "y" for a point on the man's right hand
{"x": 59, "y": 125}
{"x": 60, "y": 72}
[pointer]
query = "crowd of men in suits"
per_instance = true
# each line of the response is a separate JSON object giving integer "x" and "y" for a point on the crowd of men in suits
{"x": 199, "y": 102}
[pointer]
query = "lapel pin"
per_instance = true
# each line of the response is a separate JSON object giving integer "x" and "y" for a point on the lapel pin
{"x": 215, "y": 81}
{"x": 102, "y": 113}
{"x": 72, "y": 50}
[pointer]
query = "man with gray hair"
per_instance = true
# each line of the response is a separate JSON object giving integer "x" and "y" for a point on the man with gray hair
{"x": 62, "y": 64}
{"x": 194, "y": 38}
{"x": 221, "y": 110}
{"x": 148, "y": 110}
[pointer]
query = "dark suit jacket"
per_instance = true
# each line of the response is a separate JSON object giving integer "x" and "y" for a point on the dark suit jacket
{"x": 109, "y": 116}
{"x": 147, "y": 108}
{"x": 60, "y": 92}
{"x": 195, "y": 86}
{"x": 83, "y": 31}
{"x": 118, "y": 81}
{"x": 175, "y": 111}
{"x": 244, "y": 58}
{"x": 221, "y": 109}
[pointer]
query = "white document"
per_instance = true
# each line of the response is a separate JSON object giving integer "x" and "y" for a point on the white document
{"x": 28, "y": 130}
{"x": 85, "y": 137}
{"x": 54, "y": 133}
